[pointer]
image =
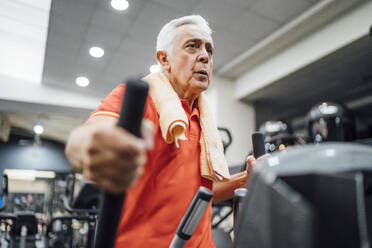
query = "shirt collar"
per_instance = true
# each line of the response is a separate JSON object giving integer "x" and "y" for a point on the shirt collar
{"x": 186, "y": 107}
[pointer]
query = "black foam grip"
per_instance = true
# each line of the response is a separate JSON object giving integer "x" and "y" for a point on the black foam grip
{"x": 203, "y": 194}
{"x": 258, "y": 144}
{"x": 133, "y": 106}
{"x": 131, "y": 114}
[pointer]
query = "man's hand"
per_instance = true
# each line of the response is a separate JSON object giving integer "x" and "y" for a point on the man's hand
{"x": 251, "y": 162}
{"x": 111, "y": 156}
{"x": 225, "y": 190}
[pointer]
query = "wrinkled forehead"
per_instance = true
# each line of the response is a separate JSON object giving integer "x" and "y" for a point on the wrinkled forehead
{"x": 191, "y": 31}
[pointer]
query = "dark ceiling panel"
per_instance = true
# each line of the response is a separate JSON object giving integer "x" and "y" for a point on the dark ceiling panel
{"x": 344, "y": 76}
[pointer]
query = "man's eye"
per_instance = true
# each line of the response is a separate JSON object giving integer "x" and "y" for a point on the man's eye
{"x": 210, "y": 51}
{"x": 192, "y": 45}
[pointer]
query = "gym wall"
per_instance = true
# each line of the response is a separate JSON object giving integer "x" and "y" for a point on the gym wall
{"x": 20, "y": 152}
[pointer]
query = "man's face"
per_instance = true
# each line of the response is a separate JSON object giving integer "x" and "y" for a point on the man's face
{"x": 191, "y": 59}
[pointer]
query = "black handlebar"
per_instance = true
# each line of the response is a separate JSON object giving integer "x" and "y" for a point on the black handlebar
{"x": 131, "y": 115}
{"x": 258, "y": 144}
{"x": 192, "y": 217}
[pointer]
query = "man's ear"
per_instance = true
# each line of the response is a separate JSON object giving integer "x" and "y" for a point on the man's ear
{"x": 163, "y": 59}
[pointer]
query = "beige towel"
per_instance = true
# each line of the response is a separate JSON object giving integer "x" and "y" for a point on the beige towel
{"x": 173, "y": 123}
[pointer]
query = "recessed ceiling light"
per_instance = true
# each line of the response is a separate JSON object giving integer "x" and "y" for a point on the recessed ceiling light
{"x": 96, "y": 52}
{"x": 82, "y": 81}
{"x": 38, "y": 129}
{"x": 155, "y": 68}
{"x": 119, "y": 4}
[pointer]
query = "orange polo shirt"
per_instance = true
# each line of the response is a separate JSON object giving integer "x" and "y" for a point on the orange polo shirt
{"x": 155, "y": 205}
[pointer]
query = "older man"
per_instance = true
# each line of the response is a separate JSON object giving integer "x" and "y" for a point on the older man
{"x": 178, "y": 153}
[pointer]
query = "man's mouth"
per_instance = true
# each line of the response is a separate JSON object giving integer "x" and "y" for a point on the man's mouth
{"x": 203, "y": 72}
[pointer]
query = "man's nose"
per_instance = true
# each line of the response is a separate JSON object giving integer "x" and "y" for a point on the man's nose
{"x": 203, "y": 56}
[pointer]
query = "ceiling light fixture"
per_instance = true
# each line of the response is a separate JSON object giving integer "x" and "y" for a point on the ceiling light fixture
{"x": 39, "y": 129}
{"x": 119, "y": 4}
{"x": 96, "y": 52}
{"x": 155, "y": 68}
{"x": 82, "y": 81}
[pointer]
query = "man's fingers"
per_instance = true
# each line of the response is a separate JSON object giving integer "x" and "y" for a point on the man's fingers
{"x": 126, "y": 141}
{"x": 110, "y": 186}
{"x": 115, "y": 158}
{"x": 117, "y": 184}
{"x": 251, "y": 161}
{"x": 264, "y": 156}
{"x": 117, "y": 140}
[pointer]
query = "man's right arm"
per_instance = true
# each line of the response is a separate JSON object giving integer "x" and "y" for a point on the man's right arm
{"x": 79, "y": 139}
{"x": 106, "y": 153}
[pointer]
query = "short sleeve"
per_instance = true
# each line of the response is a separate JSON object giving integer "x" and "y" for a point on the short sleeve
{"x": 110, "y": 106}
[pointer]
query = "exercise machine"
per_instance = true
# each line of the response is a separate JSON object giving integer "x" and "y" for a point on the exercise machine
{"x": 309, "y": 196}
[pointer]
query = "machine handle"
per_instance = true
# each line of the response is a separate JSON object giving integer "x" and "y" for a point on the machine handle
{"x": 239, "y": 195}
{"x": 192, "y": 217}
{"x": 131, "y": 114}
{"x": 258, "y": 144}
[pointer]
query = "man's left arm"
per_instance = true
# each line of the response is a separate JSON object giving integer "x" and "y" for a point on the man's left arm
{"x": 225, "y": 190}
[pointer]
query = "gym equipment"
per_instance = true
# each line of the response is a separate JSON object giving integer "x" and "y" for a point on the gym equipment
{"x": 87, "y": 200}
{"x": 239, "y": 195}
{"x": 221, "y": 238}
{"x": 25, "y": 228}
{"x": 131, "y": 114}
{"x": 309, "y": 196}
{"x": 59, "y": 232}
{"x": 220, "y": 212}
{"x": 4, "y": 193}
{"x": 278, "y": 135}
{"x": 329, "y": 121}
{"x": 82, "y": 208}
{"x": 192, "y": 217}
{"x": 21, "y": 227}
{"x": 226, "y": 137}
{"x": 258, "y": 144}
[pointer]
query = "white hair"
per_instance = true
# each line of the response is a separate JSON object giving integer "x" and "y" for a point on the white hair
{"x": 168, "y": 31}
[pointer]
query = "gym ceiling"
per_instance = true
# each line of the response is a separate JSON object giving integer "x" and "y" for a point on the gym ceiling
{"x": 246, "y": 32}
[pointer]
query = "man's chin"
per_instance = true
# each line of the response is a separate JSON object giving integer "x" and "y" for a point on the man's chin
{"x": 201, "y": 85}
